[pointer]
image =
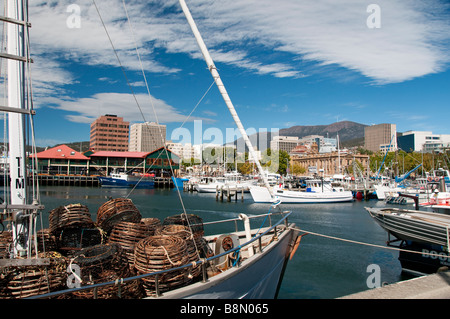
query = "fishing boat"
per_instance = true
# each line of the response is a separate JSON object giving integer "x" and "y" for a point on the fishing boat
{"x": 127, "y": 180}
{"x": 420, "y": 234}
{"x": 317, "y": 191}
{"x": 122, "y": 254}
{"x": 211, "y": 184}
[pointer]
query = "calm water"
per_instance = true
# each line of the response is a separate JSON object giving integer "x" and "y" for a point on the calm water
{"x": 321, "y": 268}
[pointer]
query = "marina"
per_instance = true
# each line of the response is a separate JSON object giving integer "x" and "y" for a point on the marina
{"x": 322, "y": 268}
{"x": 103, "y": 225}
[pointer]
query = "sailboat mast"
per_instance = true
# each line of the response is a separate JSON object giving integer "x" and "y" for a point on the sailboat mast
{"x": 215, "y": 74}
{"x": 16, "y": 124}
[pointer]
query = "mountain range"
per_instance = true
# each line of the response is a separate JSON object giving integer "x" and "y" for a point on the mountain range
{"x": 350, "y": 134}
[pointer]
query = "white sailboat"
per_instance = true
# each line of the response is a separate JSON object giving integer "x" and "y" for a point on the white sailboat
{"x": 317, "y": 191}
{"x": 239, "y": 264}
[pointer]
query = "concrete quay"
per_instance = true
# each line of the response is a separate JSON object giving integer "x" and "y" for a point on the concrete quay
{"x": 435, "y": 286}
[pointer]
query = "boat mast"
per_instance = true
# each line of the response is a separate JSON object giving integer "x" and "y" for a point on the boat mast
{"x": 212, "y": 68}
{"x": 16, "y": 32}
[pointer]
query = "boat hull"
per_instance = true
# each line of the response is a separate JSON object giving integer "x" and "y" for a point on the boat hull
{"x": 178, "y": 182}
{"x": 258, "y": 277}
{"x": 116, "y": 182}
{"x": 416, "y": 226}
{"x": 262, "y": 195}
{"x": 423, "y": 258}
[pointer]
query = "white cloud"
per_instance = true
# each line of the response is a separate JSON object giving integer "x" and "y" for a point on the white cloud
{"x": 121, "y": 104}
{"x": 284, "y": 38}
{"x": 325, "y": 32}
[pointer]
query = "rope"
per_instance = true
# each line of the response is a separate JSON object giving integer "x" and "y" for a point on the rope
{"x": 359, "y": 242}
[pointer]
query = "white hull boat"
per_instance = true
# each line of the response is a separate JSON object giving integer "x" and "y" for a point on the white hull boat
{"x": 317, "y": 191}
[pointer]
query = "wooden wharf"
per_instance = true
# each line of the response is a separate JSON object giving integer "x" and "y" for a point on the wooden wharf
{"x": 84, "y": 180}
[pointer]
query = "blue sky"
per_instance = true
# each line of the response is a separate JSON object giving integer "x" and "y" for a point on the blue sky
{"x": 284, "y": 63}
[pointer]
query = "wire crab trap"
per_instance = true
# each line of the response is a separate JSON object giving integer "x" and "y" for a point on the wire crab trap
{"x": 158, "y": 253}
{"x": 104, "y": 263}
{"x": 5, "y": 243}
{"x": 128, "y": 234}
{"x": 70, "y": 216}
{"x": 194, "y": 244}
{"x": 194, "y": 222}
{"x": 117, "y": 210}
{"x": 26, "y": 281}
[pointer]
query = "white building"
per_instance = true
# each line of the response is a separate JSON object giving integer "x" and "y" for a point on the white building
{"x": 284, "y": 143}
{"x": 424, "y": 141}
{"x": 146, "y": 137}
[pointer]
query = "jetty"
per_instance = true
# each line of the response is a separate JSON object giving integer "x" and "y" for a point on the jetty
{"x": 434, "y": 286}
{"x": 229, "y": 193}
{"x": 86, "y": 180}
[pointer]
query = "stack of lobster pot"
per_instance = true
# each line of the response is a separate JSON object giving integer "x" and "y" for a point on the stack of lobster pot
{"x": 73, "y": 228}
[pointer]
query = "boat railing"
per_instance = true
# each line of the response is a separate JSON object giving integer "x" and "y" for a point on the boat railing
{"x": 203, "y": 261}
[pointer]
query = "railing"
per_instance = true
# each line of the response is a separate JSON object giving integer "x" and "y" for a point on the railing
{"x": 203, "y": 262}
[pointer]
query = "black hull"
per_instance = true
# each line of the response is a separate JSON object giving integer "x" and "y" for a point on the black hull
{"x": 425, "y": 259}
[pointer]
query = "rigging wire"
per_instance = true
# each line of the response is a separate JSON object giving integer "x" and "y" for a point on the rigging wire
{"x": 150, "y": 97}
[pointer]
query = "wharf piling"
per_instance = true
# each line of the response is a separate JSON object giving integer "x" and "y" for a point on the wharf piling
{"x": 229, "y": 193}
{"x": 83, "y": 180}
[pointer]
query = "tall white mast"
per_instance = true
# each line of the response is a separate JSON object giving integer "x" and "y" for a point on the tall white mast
{"x": 212, "y": 68}
{"x": 16, "y": 100}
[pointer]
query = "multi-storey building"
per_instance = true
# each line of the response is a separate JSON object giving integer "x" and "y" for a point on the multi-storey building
{"x": 147, "y": 137}
{"x": 380, "y": 137}
{"x": 284, "y": 143}
{"x": 423, "y": 141}
{"x": 109, "y": 133}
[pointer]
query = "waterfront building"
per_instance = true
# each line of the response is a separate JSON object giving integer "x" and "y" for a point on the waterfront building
{"x": 158, "y": 162}
{"x": 329, "y": 163}
{"x": 147, "y": 137}
{"x": 109, "y": 133}
{"x": 423, "y": 141}
{"x": 380, "y": 137}
{"x": 62, "y": 160}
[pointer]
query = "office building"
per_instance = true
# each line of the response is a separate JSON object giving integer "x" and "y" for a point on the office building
{"x": 423, "y": 141}
{"x": 147, "y": 137}
{"x": 109, "y": 133}
{"x": 380, "y": 137}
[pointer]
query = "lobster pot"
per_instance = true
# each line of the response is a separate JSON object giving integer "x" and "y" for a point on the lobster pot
{"x": 72, "y": 240}
{"x": 103, "y": 263}
{"x": 46, "y": 240}
{"x": 5, "y": 244}
{"x": 194, "y": 222}
{"x": 70, "y": 216}
{"x": 27, "y": 281}
{"x": 152, "y": 223}
{"x": 128, "y": 234}
{"x": 158, "y": 253}
{"x": 115, "y": 211}
{"x": 193, "y": 243}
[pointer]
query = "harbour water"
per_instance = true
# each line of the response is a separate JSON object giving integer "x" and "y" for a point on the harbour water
{"x": 322, "y": 268}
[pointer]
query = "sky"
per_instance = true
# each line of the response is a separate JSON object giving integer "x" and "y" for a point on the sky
{"x": 283, "y": 63}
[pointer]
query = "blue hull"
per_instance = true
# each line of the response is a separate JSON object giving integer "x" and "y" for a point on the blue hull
{"x": 178, "y": 182}
{"x": 115, "y": 182}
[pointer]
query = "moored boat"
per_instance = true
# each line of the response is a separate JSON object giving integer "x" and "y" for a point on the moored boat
{"x": 317, "y": 191}
{"x": 127, "y": 180}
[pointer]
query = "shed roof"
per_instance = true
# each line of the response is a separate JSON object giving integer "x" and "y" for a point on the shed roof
{"x": 61, "y": 152}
